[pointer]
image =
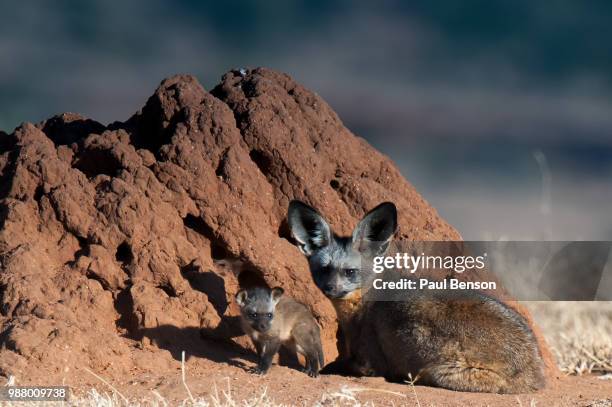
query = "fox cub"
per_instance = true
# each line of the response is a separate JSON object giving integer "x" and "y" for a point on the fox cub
{"x": 271, "y": 320}
{"x": 459, "y": 340}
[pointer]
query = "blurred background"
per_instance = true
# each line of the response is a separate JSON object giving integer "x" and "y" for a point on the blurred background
{"x": 499, "y": 112}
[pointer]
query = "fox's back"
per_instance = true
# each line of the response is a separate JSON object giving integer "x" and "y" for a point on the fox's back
{"x": 289, "y": 314}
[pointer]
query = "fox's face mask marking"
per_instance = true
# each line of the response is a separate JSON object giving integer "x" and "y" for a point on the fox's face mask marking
{"x": 258, "y": 305}
{"x": 335, "y": 262}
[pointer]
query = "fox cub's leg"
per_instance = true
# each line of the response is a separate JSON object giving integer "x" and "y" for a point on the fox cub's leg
{"x": 268, "y": 350}
{"x": 308, "y": 343}
{"x": 312, "y": 354}
{"x": 258, "y": 347}
{"x": 312, "y": 364}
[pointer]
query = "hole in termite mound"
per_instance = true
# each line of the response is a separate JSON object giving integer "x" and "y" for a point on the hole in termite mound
{"x": 251, "y": 278}
{"x": 96, "y": 161}
{"x": 263, "y": 161}
{"x": 124, "y": 254}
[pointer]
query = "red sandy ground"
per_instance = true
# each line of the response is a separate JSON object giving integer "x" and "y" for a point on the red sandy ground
{"x": 287, "y": 385}
{"x": 290, "y": 386}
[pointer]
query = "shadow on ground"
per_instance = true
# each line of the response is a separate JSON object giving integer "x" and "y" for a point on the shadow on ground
{"x": 215, "y": 345}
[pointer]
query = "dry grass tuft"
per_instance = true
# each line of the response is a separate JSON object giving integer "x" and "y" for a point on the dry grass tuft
{"x": 579, "y": 333}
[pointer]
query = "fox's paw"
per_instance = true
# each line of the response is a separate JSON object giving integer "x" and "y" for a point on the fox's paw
{"x": 310, "y": 372}
{"x": 259, "y": 370}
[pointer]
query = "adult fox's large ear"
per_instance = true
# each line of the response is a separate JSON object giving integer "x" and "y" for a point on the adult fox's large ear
{"x": 308, "y": 227}
{"x": 375, "y": 231}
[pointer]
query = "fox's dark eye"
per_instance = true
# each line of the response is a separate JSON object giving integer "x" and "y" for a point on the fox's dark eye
{"x": 350, "y": 272}
{"x": 269, "y": 315}
{"x": 253, "y": 315}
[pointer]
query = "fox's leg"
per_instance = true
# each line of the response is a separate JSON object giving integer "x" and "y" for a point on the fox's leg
{"x": 312, "y": 364}
{"x": 313, "y": 355}
{"x": 258, "y": 348}
{"x": 344, "y": 365}
{"x": 268, "y": 350}
{"x": 308, "y": 343}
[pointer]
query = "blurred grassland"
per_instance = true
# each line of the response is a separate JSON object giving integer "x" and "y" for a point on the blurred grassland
{"x": 579, "y": 334}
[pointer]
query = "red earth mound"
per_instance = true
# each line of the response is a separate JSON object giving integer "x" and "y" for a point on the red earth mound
{"x": 108, "y": 233}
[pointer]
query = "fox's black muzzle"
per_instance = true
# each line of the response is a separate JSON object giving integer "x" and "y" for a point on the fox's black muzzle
{"x": 262, "y": 326}
{"x": 333, "y": 292}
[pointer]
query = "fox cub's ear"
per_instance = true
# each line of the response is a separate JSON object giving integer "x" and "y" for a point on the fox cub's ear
{"x": 276, "y": 294}
{"x": 308, "y": 227}
{"x": 242, "y": 297}
{"x": 374, "y": 232}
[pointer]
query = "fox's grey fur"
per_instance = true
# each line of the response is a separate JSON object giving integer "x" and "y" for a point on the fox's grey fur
{"x": 272, "y": 319}
{"x": 462, "y": 341}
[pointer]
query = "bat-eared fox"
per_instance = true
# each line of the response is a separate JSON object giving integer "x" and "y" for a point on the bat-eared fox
{"x": 459, "y": 340}
{"x": 272, "y": 319}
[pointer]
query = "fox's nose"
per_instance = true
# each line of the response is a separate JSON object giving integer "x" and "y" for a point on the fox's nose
{"x": 329, "y": 288}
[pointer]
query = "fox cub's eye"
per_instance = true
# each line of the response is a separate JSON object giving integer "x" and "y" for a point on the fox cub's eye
{"x": 253, "y": 315}
{"x": 350, "y": 272}
{"x": 269, "y": 315}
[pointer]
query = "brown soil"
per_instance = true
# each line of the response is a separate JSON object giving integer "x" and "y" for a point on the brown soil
{"x": 160, "y": 372}
{"x": 108, "y": 233}
{"x": 289, "y": 386}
